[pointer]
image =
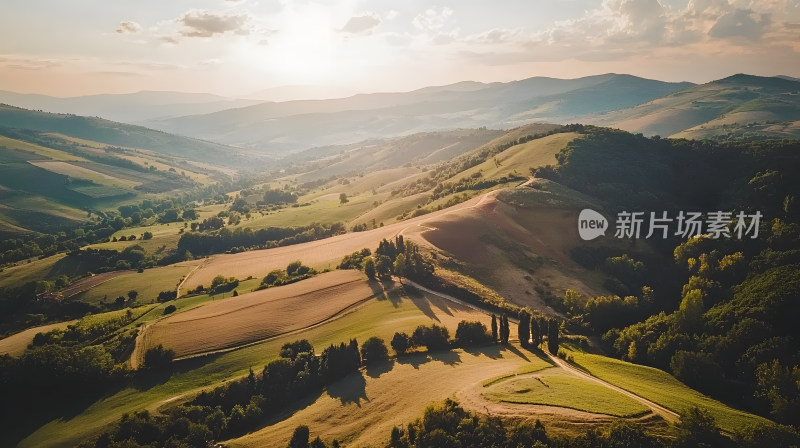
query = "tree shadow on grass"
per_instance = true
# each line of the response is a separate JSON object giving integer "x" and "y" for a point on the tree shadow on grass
{"x": 516, "y": 351}
{"x": 144, "y": 380}
{"x": 493, "y": 351}
{"x": 376, "y": 370}
{"x": 350, "y": 389}
{"x": 414, "y": 359}
{"x": 539, "y": 353}
{"x": 448, "y": 357}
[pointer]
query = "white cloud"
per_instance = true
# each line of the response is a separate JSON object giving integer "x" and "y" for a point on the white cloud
{"x": 740, "y": 23}
{"x": 128, "y": 27}
{"x": 361, "y": 24}
{"x": 198, "y": 23}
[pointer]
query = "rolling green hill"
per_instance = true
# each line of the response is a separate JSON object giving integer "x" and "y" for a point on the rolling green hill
{"x": 118, "y": 134}
{"x": 736, "y": 105}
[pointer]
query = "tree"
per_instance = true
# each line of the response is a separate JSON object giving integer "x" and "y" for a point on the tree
{"x": 698, "y": 428}
{"x": 494, "y": 327}
{"x": 132, "y": 295}
{"x": 504, "y": 329}
{"x": 536, "y": 332}
{"x": 158, "y": 357}
{"x": 383, "y": 266}
{"x": 401, "y": 342}
{"x": 343, "y": 198}
{"x": 552, "y": 336}
{"x": 374, "y": 351}
{"x": 170, "y": 309}
{"x": 433, "y": 337}
{"x": 524, "y": 328}
{"x": 147, "y": 236}
{"x": 120, "y": 301}
{"x": 400, "y": 265}
{"x": 369, "y": 268}
{"x": 293, "y": 267}
{"x": 291, "y": 350}
{"x": 471, "y": 333}
{"x": 690, "y": 313}
{"x": 300, "y": 437}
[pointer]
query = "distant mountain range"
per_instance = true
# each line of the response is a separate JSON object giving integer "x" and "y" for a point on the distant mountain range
{"x": 295, "y": 125}
{"x": 128, "y": 108}
{"x": 740, "y": 105}
{"x": 735, "y": 105}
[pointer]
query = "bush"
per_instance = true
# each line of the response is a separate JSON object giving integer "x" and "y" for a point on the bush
{"x": 433, "y": 337}
{"x": 292, "y": 349}
{"x": 374, "y": 351}
{"x": 158, "y": 357}
{"x": 471, "y": 333}
{"x": 166, "y": 296}
{"x": 169, "y": 309}
{"x": 401, "y": 343}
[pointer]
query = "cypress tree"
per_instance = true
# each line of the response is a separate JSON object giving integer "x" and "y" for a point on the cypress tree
{"x": 504, "y": 329}
{"x": 552, "y": 337}
{"x": 494, "y": 328}
{"x": 524, "y": 329}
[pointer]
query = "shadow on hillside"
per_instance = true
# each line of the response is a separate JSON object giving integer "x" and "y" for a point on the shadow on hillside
{"x": 539, "y": 353}
{"x": 492, "y": 351}
{"x": 376, "y": 370}
{"x": 449, "y": 357}
{"x": 144, "y": 380}
{"x": 413, "y": 359}
{"x": 22, "y": 421}
{"x": 350, "y": 389}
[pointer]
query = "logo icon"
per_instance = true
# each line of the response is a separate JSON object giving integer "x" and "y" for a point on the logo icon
{"x": 591, "y": 224}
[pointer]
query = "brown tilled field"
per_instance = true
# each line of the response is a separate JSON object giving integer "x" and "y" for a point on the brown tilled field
{"x": 262, "y": 314}
{"x": 320, "y": 254}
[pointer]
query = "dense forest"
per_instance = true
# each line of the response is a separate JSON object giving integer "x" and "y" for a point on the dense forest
{"x": 719, "y": 313}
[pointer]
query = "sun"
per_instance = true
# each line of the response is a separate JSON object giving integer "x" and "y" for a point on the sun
{"x": 301, "y": 51}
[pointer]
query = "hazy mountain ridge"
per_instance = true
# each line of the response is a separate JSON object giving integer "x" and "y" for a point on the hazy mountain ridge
{"x": 282, "y": 127}
{"x": 119, "y": 134}
{"x": 733, "y": 105}
{"x": 127, "y": 108}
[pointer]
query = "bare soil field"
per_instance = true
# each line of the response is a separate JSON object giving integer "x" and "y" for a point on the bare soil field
{"x": 262, "y": 314}
{"x": 320, "y": 254}
{"x": 90, "y": 282}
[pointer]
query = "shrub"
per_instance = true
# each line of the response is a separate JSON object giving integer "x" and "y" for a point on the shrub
{"x": 169, "y": 309}
{"x": 433, "y": 337}
{"x": 471, "y": 333}
{"x": 374, "y": 351}
{"x": 158, "y": 357}
{"x": 401, "y": 342}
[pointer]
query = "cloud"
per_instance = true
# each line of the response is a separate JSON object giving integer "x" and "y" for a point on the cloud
{"x": 740, "y": 23}
{"x": 432, "y": 20}
{"x": 168, "y": 40}
{"x": 207, "y": 24}
{"x": 128, "y": 27}
{"x": 360, "y": 24}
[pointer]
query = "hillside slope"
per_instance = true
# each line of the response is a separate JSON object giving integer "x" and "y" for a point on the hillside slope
{"x": 733, "y": 105}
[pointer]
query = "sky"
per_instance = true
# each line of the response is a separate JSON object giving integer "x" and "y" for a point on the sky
{"x": 240, "y": 47}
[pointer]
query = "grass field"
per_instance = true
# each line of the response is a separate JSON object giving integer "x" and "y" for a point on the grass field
{"x": 519, "y": 159}
{"x": 42, "y": 269}
{"x": 662, "y": 388}
{"x": 380, "y": 318}
{"x": 17, "y": 343}
{"x": 556, "y": 387}
{"x": 48, "y": 153}
{"x": 79, "y": 172}
{"x": 261, "y": 314}
{"x": 148, "y": 284}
